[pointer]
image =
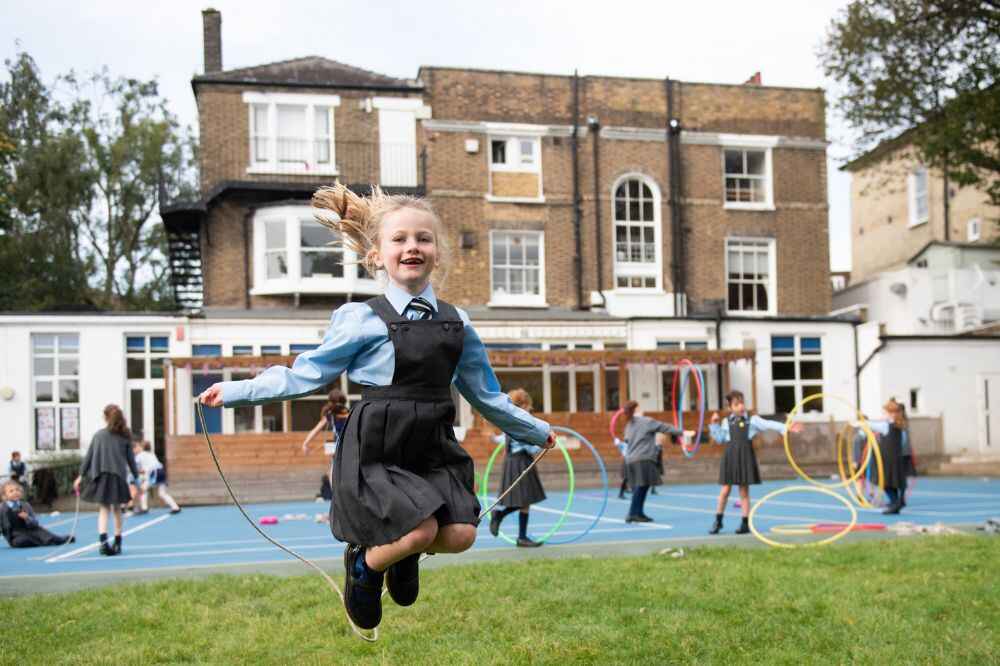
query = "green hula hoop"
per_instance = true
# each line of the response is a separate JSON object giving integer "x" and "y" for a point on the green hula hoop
{"x": 484, "y": 490}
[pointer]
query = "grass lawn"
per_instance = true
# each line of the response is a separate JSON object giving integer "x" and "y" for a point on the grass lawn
{"x": 914, "y": 600}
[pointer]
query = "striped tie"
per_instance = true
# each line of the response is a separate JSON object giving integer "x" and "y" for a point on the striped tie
{"x": 419, "y": 308}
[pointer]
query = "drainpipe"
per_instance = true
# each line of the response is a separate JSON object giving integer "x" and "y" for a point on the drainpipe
{"x": 674, "y": 185}
{"x": 718, "y": 347}
{"x": 577, "y": 258}
{"x": 595, "y": 132}
{"x": 947, "y": 204}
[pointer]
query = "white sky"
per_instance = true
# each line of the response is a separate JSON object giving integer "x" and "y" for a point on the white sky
{"x": 719, "y": 42}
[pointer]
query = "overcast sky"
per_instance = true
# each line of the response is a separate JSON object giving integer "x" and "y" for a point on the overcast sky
{"x": 718, "y": 42}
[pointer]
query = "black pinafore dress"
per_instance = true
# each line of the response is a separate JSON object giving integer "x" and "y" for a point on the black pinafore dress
{"x": 398, "y": 461}
{"x": 530, "y": 490}
{"x": 739, "y": 462}
{"x": 891, "y": 448}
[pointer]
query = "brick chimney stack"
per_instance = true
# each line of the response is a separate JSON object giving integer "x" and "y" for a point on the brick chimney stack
{"x": 212, "y": 36}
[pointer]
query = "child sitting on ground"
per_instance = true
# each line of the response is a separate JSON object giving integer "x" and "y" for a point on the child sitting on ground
{"x": 17, "y": 469}
{"x": 19, "y": 525}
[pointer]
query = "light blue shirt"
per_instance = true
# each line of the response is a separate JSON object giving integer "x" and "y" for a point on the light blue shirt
{"x": 358, "y": 341}
{"x": 720, "y": 431}
{"x": 879, "y": 427}
{"x": 516, "y": 446}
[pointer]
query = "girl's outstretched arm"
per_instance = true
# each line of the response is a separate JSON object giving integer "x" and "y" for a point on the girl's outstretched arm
{"x": 311, "y": 371}
{"x": 476, "y": 381}
{"x": 719, "y": 429}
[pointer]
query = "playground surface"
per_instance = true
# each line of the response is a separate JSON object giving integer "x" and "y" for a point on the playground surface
{"x": 216, "y": 539}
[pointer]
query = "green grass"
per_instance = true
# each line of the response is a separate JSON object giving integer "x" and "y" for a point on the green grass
{"x": 910, "y": 600}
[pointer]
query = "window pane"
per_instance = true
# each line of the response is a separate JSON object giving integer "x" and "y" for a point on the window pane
{"x": 734, "y": 161}
{"x": 633, "y": 189}
{"x": 516, "y": 251}
{"x": 322, "y": 264}
{"x": 783, "y": 370}
{"x": 646, "y": 192}
{"x": 531, "y": 284}
{"x": 277, "y": 265}
{"x": 135, "y": 416}
{"x": 499, "y": 248}
{"x": 747, "y": 296}
{"x": 647, "y": 234}
{"x": 291, "y": 121}
{"x": 44, "y": 366}
{"x": 242, "y": 350}
{"x": 135, "y": 343}
{"x": 68, "y": 343}
{"x": 620, "y": 209}
{"x": 782, "y": 345}
{"x": 647, "y": 211}
{"x": 811, "y": 369}
{"x": 761, "y": 297}
{"x": 584, "y": 390}
{"x": 531, "y": 381}
{"x": 733, "y": 297}
{"x": 755, "y": 162}
{"x": 735, "y": 264}
{"x": 156, "y": 368}
{"x": 44, "y": 344}
{"x": 243, "y": 419}
{"x": 274, "y": 234}
{"x": 305, "y": 414}
{"x": 69, "y": 428}
{"x": 516, "y": 282}
{"x": 321, "y": 122}
{"x": 315, "y": 234}
{"x": 810, "y": 345}
{"x": 270, "y": 350}
{"x": 159, "y": 345}
{"x": 43, "y": 391}
{"x": 784, "y": 399}
{"x": 649, "y": 282}
{"x": 303, "y": 347}
{"x": 560, "y": 391}
{"x": 69, "y": 390}
{"x": 621, "y": 233}
{"x": 622, "y": 282}
{"x": 633, "y": 210}
{"x": 763, "y": 265}
{"x": 668, "y": 344}
{"x": 813, "y": 405}
{"x": 498, "y": 152}
{"x": 273, "y": 419}
{"x": 500, "y": 280}
{"x": 527, "y": 152}
{"x": 531, "y": 250}
{"x": 45, "y": 428}
{"x": 260, "y": 119}
{"x": 611, "y": 397}
{"x": 136, "y": 368}
{"x": 621, "y": 193}
{"x": 206, "y": 350}
{"x": 693, "y": 344}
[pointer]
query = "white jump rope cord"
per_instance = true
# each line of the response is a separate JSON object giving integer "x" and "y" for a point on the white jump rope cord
{"x": 373, "y": 636}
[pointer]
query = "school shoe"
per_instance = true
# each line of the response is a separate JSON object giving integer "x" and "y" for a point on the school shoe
{"x": 116, "y": 549}
{"x": 495, "y": 519}
{"x": 892, "y": 510}
{"x": 744, "y": 527}
{"x": 716, "y": 526}
{"x": 362, "y": 594}
{"x": 175, "y": 511}
{"x": 638, "y": 519}
{"x": 527, "y": 542}
{"x": 107, "y": 548}
{"x": 403, "y": 580}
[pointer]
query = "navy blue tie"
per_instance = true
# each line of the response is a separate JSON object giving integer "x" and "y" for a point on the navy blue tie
{"x": 419, "y": 308}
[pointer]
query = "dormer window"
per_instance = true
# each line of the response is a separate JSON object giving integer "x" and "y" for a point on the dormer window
{"x": 291, "y": 133}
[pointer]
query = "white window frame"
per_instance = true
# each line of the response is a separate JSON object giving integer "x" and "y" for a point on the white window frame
{"x": 918, "y": 217}
{"x": 147, "y": 384}
{"x": 514, "y": 157}
{"x": 310, "y": 102}
{"x": 55, "y": 404}
{"x": 772, "y": 282}
{"x": 974, "y": 230}
{"x": 292, "y": 283}
{"x": 520, "y": 300}
{"x": 631, "y": 269}
{"x": 762, "y": 146}
{"x": 797, "y": 358}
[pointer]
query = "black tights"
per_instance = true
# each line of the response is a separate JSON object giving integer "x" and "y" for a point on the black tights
{"x": 638, "y": 501}
{"x": 522, "y": 520}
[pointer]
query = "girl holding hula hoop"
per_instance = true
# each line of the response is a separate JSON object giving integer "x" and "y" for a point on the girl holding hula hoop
{"x": 891, "y": 431}
{"x": 518, "y": 457}
{"x": 739, "y": 462}
{"x": 641, "y": 457}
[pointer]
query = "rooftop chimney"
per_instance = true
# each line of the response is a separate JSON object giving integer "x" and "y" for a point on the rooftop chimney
{"x": 211, "y": 21}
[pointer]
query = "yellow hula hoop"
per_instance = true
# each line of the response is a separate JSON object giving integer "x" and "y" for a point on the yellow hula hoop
{"x": 798, "y": 470}
{"x": 844, "y": 443}
{"x": 815, "y": 488}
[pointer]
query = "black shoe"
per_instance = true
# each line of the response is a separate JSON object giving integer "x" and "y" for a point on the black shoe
{"x": 362, "y": 598}
{"x": 403, "y": 580}
{"x": 645, "y": 519}
{"x": 892, "y": 510}
{"x": 175, "y": 511}
{"x": 716, "y": 527}
{"x": 525, "y": 542}
{"x": 638, "y": 519}
{"x": 621, "y": 495}
{"x": 652, "y": 491}
{"x": 495, "y": 519}
{"x": 106, "y": 548}
{"x": 744, "y": 527}
{"x": 140, "y": 512}
{"x": 116, "y": 549}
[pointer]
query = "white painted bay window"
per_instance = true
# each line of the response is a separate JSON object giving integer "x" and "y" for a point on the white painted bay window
{"x": 517, "y": 268}
{"x": 291, "y": 133}
{"x": 751, "y": 284}
{"x": 747, "y": 176}
{"x": 293, "y": 253}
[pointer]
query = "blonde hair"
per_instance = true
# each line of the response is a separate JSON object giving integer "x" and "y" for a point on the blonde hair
{"x": 521, "y": 398}
{"x": 359, "y": 220}
{"x": 10, "y": 484}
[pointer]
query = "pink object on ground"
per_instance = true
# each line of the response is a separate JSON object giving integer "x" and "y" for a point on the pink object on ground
{"x": 268, "y": 520}
{"x": 737, "y": 504}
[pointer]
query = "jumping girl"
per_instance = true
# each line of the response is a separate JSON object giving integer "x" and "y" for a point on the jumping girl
{"x": 641, "y": 457}
{"x": 402, "y": 484}
{"x": 739, "y": 462}
{"x": 529, "y": 490}
{"x": 108, "y": 461}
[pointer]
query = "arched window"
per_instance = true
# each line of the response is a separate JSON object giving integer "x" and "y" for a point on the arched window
{"x": 637, "y": 233}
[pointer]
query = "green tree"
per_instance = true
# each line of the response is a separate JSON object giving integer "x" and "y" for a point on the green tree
{"x": 926, "y": 68}
{"x": 82, "y": 174}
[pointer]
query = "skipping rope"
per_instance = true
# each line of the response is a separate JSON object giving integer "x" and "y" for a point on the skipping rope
{"x": 374, "y": 634}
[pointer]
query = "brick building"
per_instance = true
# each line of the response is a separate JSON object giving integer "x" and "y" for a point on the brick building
{"x": 602, "y": 227}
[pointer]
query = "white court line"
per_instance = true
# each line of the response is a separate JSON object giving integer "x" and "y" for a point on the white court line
{"x": 685, "y": 509}
{"x": 226, "y": 551}
{"x": 607, "y": 520}
{"x": 93, "y": 546}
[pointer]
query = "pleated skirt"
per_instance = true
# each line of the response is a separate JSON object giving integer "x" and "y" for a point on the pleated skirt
{"x": 107, "y": 488}
{"x": 529, "y": 490}
{"x": 397, "y": 464}
{"x": 642, "y": 473}
{"x": 739, "y": 466}
{"x": 893, "y": 465}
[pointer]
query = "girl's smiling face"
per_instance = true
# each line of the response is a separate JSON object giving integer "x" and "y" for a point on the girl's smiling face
{"x": 407, "y": 248}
